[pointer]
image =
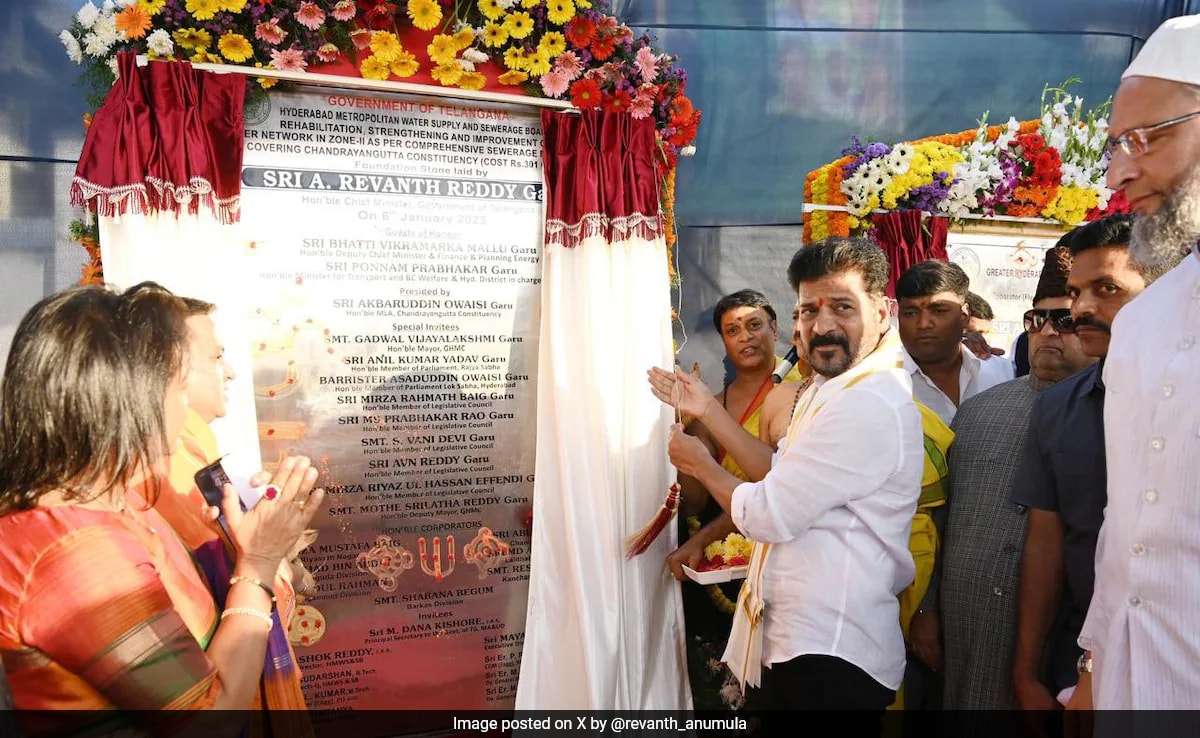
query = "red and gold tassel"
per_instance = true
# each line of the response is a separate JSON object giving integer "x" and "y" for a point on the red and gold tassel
{"x": 638, "y": 542}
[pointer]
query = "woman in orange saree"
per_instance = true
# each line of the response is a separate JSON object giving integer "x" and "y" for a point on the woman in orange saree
{"x": 103, "y": 612}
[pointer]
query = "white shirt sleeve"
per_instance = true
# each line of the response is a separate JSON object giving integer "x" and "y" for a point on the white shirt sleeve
{"x": 850, "y": 448}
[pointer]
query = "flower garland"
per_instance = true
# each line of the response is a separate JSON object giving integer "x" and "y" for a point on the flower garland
{"x": 1053, "y": 167}
{"x": 561, "y": 49}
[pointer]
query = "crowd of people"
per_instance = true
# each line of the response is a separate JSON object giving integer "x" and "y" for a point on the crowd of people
{"x": 933, "y": 526}
{"x": 1043, "y": 556}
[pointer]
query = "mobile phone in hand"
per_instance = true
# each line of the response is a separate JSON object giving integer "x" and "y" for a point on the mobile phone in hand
{"x": 211, "y": 481}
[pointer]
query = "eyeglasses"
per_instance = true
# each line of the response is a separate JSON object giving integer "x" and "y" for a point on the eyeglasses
{"x": 1134, "y": 141}
{"x": 1059, "y": 319}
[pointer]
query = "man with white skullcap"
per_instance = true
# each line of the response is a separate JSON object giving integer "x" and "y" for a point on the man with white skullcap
{"x": 1144, "y": 618}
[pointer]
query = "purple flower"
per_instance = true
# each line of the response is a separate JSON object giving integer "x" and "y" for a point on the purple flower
{"x": 863, "y": 154}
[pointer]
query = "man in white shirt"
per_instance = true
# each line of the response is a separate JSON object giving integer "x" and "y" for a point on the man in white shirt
{"x": 933, "y": 316}
{"x": 819, "y": 608}
{"x": 1143, "y": 615}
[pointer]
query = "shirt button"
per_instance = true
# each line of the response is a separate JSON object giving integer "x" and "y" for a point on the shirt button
{"x": 1187, "y": 342}
{"x": 1151, "y": 496}
{"x": 1135, "y": 601}
{"x": 1156, "y": 444}
{"x": 1168, "y": 390}
{"x": 997, "y": 591}
{"x": 1137, "y": 549}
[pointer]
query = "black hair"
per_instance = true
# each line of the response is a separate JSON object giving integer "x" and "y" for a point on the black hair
{"x": 836, "y": 255}
{"x": 977, "y": 307}
{"x": 931, "y": 277}
{"x": 741, "y": 298}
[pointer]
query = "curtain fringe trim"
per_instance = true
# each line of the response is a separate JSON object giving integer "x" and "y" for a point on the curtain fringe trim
{"x": 570, "y": 235}
{"x": 160, "y": 196}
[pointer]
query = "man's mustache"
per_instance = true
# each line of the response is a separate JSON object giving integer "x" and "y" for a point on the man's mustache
{"x": 830, "y": 339}
{"x": 1093, "y": 322}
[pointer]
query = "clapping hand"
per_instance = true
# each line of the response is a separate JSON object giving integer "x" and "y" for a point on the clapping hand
{"x": 681, "y": 390}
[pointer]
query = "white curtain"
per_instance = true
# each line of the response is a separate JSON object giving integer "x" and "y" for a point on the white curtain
{"x": 602, "y": 632}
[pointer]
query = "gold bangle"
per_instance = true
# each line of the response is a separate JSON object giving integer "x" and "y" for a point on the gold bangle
{"x": 265, "y": 617}
{"x": 251, "y": 580}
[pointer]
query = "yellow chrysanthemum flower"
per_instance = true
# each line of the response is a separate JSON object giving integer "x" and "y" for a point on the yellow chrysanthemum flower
{"x": 583, "y": 3}
{"x": 491, "y": 9}
{"x": 235, "y": 47}
{"x": 512, "y": 77}
{"x": 530, "y": 3}
{"x": 202, "y": 56}
{"x": 233, "y": 6}
{"x": 203, "y": 9}
{"x": 192, "y": 38}
{"x": 264, "y": 82}
{"x": 447, "y": 74}
{"x": 472, "y": 81}
{"x": 515, "y": 59}
{"x": 385, "y": 46}
{"x": 560, "y": 11}
{"x": 494, "y": 35}
{"x": 539, "y": 63}
{"x": 374, "y": 67}
{"x": 442, "y": 49}
{"x": 425, "y": 14}
{"x": 554, "y": 43}
{"x": 152, "y": 7}
{"x": 519, "y": 24}
{"x": 463, "y": 38}
{"x": 405, "y": 65}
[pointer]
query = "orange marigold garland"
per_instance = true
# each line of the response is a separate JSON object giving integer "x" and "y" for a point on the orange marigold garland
{"x": 88, "y": 236}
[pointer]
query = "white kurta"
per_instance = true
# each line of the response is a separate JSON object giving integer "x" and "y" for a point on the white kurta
{"x": 1142, "y": 626}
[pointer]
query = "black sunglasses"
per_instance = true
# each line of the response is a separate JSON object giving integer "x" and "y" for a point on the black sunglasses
{"x": 1059, "y": 318}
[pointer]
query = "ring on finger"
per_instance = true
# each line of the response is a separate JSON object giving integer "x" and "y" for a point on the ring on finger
{"x": 300, "y": 503}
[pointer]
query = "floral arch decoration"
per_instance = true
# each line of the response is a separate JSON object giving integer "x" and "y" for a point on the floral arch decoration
{"x": 573, "y": 50}
{"x": 1049, "y": 169}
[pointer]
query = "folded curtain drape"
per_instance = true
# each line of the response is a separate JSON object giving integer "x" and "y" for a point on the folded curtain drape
{"x": 168, "y": 138}
{"x": 904, "y": 238}
{"x": 601, "y": 632}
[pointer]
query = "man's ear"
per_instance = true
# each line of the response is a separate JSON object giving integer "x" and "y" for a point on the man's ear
{"x": 775, "y": 327}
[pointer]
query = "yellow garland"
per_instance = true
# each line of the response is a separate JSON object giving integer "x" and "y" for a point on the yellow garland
{"x": 1071, "y": 204}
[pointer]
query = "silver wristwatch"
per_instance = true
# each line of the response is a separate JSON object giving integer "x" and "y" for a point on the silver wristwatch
{"x": 1084, "y": 664}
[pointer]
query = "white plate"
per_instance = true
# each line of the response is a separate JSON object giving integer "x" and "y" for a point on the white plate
{"x": 716, "y": 576}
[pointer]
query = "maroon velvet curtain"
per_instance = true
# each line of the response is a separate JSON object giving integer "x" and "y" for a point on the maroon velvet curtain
{"x": 907, "y": 242}
{"x": 600, "y": 177}
{"x": 167, "y": 138}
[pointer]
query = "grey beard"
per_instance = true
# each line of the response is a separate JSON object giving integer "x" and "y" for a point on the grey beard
{"x": 1158, "y": 242}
